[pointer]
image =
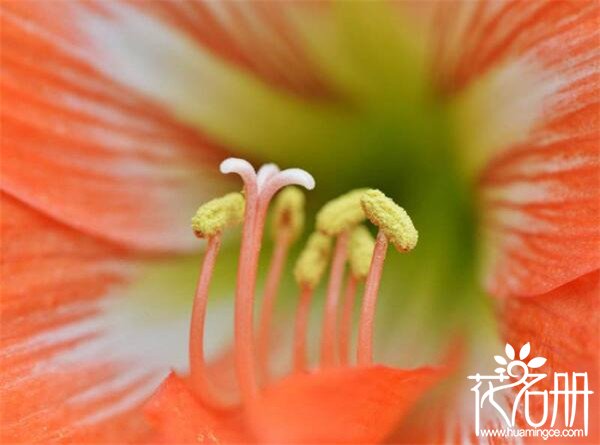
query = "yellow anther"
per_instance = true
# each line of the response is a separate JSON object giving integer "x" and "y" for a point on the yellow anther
{"x": 341, "y": 213}
{"x": 313, "y": 260}
{"x": 288, "y": 213}
{"x": 360, "y": 252}
{"x": 391, "y": 218}
{"x": 217, "y": 214}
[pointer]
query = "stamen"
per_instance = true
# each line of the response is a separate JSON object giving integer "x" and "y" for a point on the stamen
{"x": 360, "y": 253}
{"x": 288, "y": 220}
{"x": 313, "y": 259}
{"x": 308, "y": 271}
{"x": 278, "y": 261}
{"x": 301, "y": 328}
{"x": 346, "y": 321}
{"x": 342, "y": 213}
{"x": 391, "y": 218}
{"x": 367, "y": 316}
{"x": 337, "y": 218}
{"x": 336, "y": 276}
{"x": 209, "y": 222}
{"x": 218, "y": 214}
{"x": 395, "y": 224}
{"x": 288, "y": 212}
{"x": 198, "y": 374}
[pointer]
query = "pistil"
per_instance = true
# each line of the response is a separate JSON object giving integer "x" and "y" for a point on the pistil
{"x": 244, "y": 294}
{"x": 259, "y": 192}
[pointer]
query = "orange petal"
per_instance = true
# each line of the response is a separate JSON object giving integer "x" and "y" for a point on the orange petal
{"x": 542, "y": 209}
{"x": 354, "y": 405}
{"x": 444, "y": 416}
{"x": 45, "y": 266}
{"x": 257, "y": 37}
{"x": 541, "y": 196}
{"x": 178, "y": 417}
{"x": 63, "y": 376}
{"x": 563, "y": 326}
{"x": 107, "y": 161}
{"x": 541, "y": 187}
{"x": 474, "y": 37}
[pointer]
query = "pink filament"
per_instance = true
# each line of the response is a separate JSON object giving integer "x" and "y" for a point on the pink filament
{"x": 328, "y": 340}
{"x": 367, "y": 316}
{"x": 273, "y": 184}
{"x": 257, "y": 203}
{"x": 346, "y": 321}
{"x": 278, "y": 261}
{"x": 301, "y": 328}
{"x": 244, "y": 300}
{"x": 198, "y": 375}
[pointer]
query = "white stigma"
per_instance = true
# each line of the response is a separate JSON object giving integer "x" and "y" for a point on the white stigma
{"x": 290, "y": 176}
{"x": 269, "y": 178}
{"x": 297, "y": 176}
{"x": 239, "y": 166}
{"x": 265, "y": 172}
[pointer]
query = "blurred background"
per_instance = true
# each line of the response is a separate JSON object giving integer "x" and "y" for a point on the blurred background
{"x": 116, "y": 115}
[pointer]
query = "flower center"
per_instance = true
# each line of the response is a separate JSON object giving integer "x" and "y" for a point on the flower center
{"x": 339, "y": 222}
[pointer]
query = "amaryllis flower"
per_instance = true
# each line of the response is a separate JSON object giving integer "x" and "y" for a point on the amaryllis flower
{"x": 479, "y": 118}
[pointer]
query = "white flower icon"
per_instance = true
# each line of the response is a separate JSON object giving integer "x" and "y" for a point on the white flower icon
{"x": 535, "y": 362}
